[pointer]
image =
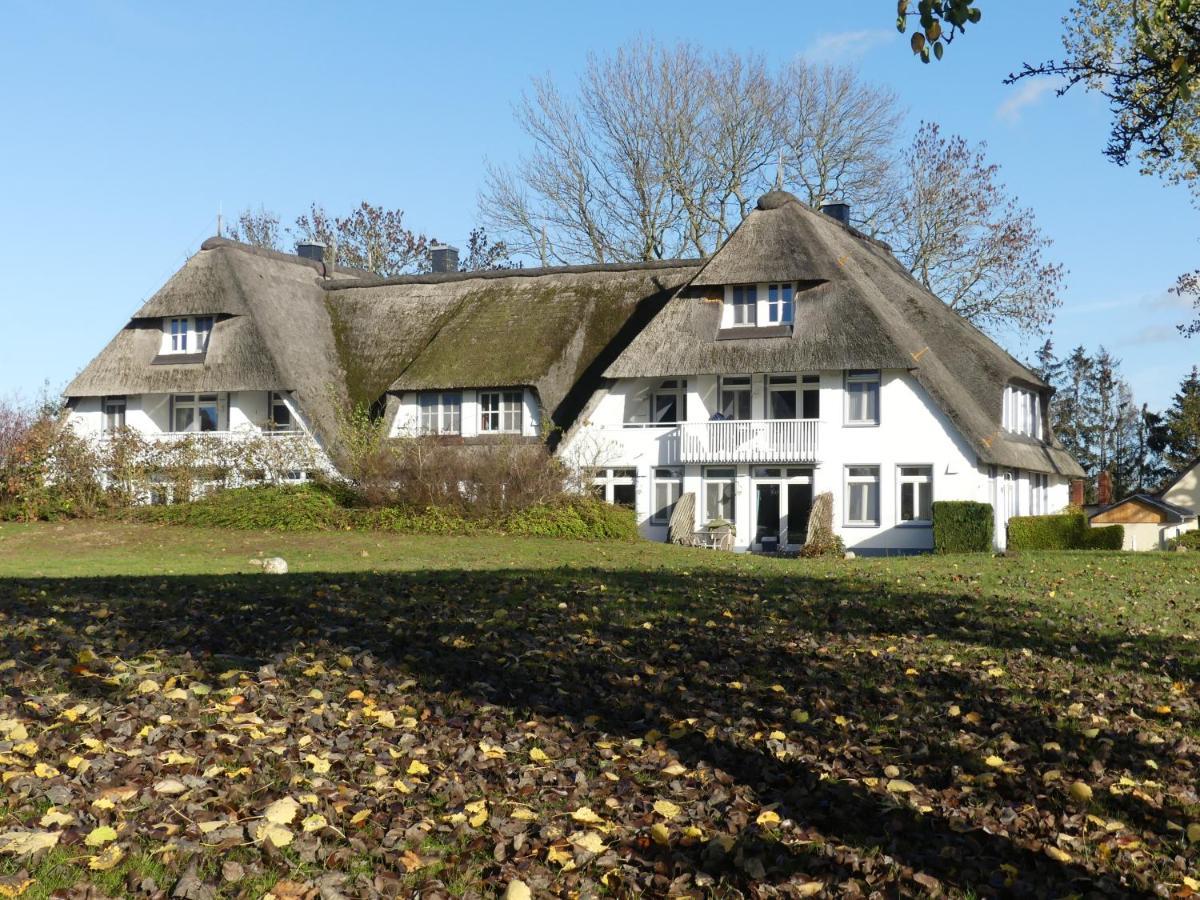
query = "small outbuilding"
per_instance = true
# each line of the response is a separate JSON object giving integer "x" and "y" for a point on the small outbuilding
{"x": 1149, "y": 521}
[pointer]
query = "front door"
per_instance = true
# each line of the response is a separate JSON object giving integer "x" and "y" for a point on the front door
{"x": 766, "y": 519}
{"x": 799, "y": 507}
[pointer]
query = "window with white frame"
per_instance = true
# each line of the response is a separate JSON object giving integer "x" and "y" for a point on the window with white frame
{"x": 743, "y": 301}
{"x": 194, "y": 412}
{"x": 810, "y": 397}
{"x": 441, "y": 412}
{"x": 1022, "y": 412}
{"x": 112, "y": 414}
{"x": 668, "y": 485}
{"x": 862, "y": 495}
{"x": 668, "y": 403}
{"x": 1039, "y": 489}
{"x": 781, "y": 397}
{"x": 615, "y": 486}
{"x": 203, "y": 328}
{"x": 500, "y": 412}
{"x": 179, "y": 335}
{"x": 279, "y": 414}
{"x": 736, "y": 396}
{"x": 719, "y": 490}
{"x": 916, "y": 494}
{"x": 779, "y": 304}
{"x": 862, "y": 397}
{"x": 187, "y": 334}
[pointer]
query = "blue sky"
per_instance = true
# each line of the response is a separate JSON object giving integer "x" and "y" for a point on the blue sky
{"x": 128, "y": 125}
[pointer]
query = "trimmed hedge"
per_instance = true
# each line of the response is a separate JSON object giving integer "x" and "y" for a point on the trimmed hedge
{"x": 962, "y": 526}
{"x": 1067, "y": 531}
{"x": 317, "y": 507}
{"x": 1189, "y": 540}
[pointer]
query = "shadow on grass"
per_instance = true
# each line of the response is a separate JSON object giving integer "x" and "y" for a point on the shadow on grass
{"x": 627, "y": 652}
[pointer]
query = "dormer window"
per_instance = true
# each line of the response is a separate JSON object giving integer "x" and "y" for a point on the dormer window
{"x": 757, "y": 305}
{"x": 1022, "y": 412}
{"x": 186, "y": 334}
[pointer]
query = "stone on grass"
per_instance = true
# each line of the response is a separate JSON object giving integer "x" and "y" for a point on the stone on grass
{"x": 275, "y": 565}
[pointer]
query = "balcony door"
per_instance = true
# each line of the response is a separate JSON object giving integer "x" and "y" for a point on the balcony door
{"x": 783, "y": 499}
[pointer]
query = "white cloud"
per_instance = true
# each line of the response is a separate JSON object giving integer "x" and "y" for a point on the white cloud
{"x": 1153, "y": 334}
{"x": 842, "y": 45}
{"x": 1030, "y": 92}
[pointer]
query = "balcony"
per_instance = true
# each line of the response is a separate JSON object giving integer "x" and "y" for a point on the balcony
{"x": 749, "y": 441}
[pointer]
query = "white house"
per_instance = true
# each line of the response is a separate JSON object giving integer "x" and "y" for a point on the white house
{"x": 800, "y": 358}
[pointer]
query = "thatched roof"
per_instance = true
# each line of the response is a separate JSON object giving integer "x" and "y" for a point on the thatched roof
{"x": 272, "y": 333}
{"x": 550, "y": 329}
{"x": 856, "y": 307}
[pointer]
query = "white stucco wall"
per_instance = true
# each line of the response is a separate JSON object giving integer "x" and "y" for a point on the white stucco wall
{"x": 1186, "y": 492}
{"x": 912, "y": 431}
{"x": 150, "y": 414}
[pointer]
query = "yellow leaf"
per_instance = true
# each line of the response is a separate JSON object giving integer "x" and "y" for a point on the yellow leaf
{"x": 26, "y": 748}
{"x": 278, "y": 835}
{"x": 953, "y": 712}
{"x": 777, "y": 736}
{"x": 41, "y": 770}
{"x": 22, "y": 843}
{"x": 538, "y": 755}
{"x": 810, "y": 888}
{"x": 768, "y": 818}
{"x": 359, "y": 817}
{"x": 558, "y": 855}
{"x": 16, "y": 888}
{"x": 899, "y": 786}
{"x": 416, "y": 767}
{"x": 282, "y": 812}
{"x": 674, "y": 769}
{"x": 660, "y": 833}
{"x": 12, "y": 730}
{"x": 973, "y": 717}
{"x": 994, "y": 761}
{"x": 54, "y": 816}
{"x": 1057, "y": 855}
{"x": 666, "y": 809}
{"x": 517, "y": 890}
{"x": 1080, "y": 792}
{"x": 478, "y": 811}
{"x": 98, "y": 837}
{"x": 386, "y": 718}
{"x": 799, "y": 716}
{"x": 319, "y": 765}
{"x": 589, "y": 841}
{"x": 1193, "y": 833}
{"x": 106, "y": 858}
{"x": 524, "y": 814}
{"x": 315, "y": 822}
{"x": 585, "y": 816}
{"x": 148, "y": 687}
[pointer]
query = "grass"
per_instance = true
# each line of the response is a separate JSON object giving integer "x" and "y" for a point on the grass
{"x": 904, "y": 725}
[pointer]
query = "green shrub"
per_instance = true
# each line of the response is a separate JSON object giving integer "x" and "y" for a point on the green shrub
{"x": 1061, "y": 532}
{"x": 1107, "y": 537}
{"x": 320, "y": 507}
{"x": 962, "y": 526}
{"x": 1068, "y": 531}
{"x": 1189, "y": 540}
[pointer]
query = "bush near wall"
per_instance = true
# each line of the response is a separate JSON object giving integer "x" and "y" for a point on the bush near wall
{"x": 962, "y": 526}
{"x": 1068, "y": 531}
{"x": 1189, "y": 540}
{"x": 320, "y": 507}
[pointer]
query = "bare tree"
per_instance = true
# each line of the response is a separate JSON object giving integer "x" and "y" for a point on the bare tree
{"x": 966, "y": 239}
{"x": 838, "y": 135}
{"x": 259, "y": 228}
{"x": 371, "y": 238}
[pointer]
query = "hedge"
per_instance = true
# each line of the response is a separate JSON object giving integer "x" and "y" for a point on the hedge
{"x": 313, "y": 507}
{"x": 1189, "y": 540}
{"x": 1068, "y": 531}
{"x": 962, "y": 526}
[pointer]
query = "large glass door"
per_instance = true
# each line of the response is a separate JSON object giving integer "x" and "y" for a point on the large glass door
{"x": 766, "y": 519}
{"x": 783, "y": 499}
{"x": 799, "y": 508}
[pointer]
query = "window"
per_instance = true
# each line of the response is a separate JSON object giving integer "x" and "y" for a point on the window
{"x": 862, "y": 495}
{"x": 811, "y": 404}
{"x": 280, "y": 414}
{"x": 668, "y": 484}
{"x": 616, "y": 486}
{"x": 179, "y": 335}
{"x": 194, "y": 412}
{"x": 916, "y": 494}
{"x": 745, "y": 304}
{"x": 781, "y": 396}
{"x": 719, "y": 493}
{"x": 735, "y": 397}
{"x": 500, "y": 411}
{"x": 779, "y": 304}
{"x": 113, "y": 412}
{"x": 441, "y": 413}
{"x": 203, "y": 329}
{"x": 1039, "y": 488}
{"x": 862, "y": 397}
{"x": 1022, "y": 412}
{"x": 668, "y": 405}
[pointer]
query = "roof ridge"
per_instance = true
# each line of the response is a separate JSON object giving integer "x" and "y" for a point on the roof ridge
{"x": 492, "y": 274}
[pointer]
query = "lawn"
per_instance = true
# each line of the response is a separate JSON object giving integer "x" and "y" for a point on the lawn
{"x": 439, "y": 716}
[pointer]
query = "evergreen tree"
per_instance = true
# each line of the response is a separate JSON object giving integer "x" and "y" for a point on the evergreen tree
{"x": 1182, "y": 420}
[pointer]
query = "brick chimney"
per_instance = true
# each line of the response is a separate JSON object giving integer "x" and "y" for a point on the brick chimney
{"x": 1077, "y": 492}
{"x": 839, "y": 211}
{"x": 1104, "y": 493}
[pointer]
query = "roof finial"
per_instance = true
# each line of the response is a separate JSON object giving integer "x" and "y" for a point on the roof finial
{"x": 779, "y": 173}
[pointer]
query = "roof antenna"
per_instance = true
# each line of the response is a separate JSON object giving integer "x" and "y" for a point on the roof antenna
{"x": 218, "y": 218}
{"x": 779, "y": 173}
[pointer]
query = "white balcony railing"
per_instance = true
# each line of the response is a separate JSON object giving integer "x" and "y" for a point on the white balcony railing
{"x": 749, "y": 441}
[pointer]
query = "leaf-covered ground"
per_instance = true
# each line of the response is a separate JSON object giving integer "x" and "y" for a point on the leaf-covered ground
{"x": 662, "y": 722}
